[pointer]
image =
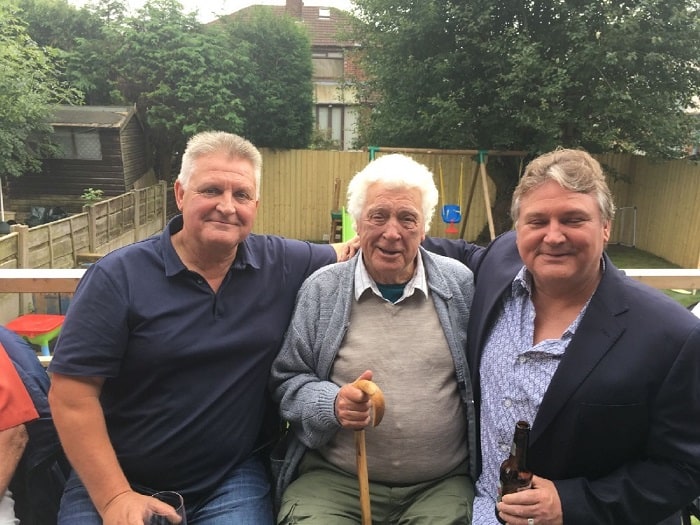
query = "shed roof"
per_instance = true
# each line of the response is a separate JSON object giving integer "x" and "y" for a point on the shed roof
{"x": 92, "y": 116}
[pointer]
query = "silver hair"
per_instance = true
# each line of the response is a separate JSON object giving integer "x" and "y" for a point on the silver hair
{"x": 210, "y": 142}
{"x": 574, "y": 170}
{"x": 393, "y": 171}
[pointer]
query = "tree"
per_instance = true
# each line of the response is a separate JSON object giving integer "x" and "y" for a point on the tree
{"x": 182, "y": 79}
{"x": 507, "y": 74}
{"x": 29, "y": 88}
{"x": 80, "y": 37}
{"x": 278, "y": 98}
{"x": 57, "y": 24}
{"x": 250, "y": 78}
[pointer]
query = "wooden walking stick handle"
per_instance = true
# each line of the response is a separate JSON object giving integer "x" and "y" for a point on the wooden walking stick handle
{"x": 377, "y": 399}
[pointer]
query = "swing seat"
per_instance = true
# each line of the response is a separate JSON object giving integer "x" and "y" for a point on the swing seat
{"x": 451, "y": 214}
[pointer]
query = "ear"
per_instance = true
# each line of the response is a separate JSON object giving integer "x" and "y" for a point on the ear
{"x": 179, "y": 194}
{"x": 606, "y": 231}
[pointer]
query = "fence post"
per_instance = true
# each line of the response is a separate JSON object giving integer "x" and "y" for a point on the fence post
{"x": 25, "y": 300}
{"x": 22, "y": 245}
{"x": 92, "y": 226}
{"x": 137, "y": 214}
{"x": 164, "y": 202}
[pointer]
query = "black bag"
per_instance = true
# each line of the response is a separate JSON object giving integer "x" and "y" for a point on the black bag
{"x": 41, "y": 474}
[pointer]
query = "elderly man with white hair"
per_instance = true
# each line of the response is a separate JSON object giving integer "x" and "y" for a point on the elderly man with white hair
{"x": 397, "y": 315}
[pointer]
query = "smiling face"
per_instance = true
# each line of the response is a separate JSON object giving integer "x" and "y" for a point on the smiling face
{"x": 561, "y": 236}
{"x": 391, "y": 229}
{"x": 218, "y": 204}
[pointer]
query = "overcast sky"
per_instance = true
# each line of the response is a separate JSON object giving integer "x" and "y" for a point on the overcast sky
{"x": 210, "y": 9}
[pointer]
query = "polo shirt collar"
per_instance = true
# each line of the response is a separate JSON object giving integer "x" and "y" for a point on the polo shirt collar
{"x": 174, "y": 265}
{"x": 172, "y": 262}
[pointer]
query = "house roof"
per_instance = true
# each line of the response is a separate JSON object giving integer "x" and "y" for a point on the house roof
{"x": 92, "y": 116}
{"x": 326, "y": 25}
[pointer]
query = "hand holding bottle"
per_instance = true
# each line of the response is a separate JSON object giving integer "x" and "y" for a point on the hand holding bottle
{"x": 541, "y": 504}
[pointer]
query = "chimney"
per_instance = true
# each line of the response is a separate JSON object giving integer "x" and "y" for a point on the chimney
{"x": 293, "y": 8}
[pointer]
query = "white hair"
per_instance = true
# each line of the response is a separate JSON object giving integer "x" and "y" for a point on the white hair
{"x": 393, "y": 171}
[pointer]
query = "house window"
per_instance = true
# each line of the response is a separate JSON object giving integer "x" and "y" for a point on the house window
{"x": 79, "y": 144}
{"x": 328, "y": 65}
{"x": 329, "y": 118}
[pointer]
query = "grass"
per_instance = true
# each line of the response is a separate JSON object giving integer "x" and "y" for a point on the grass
{"x": 626, "y": 257}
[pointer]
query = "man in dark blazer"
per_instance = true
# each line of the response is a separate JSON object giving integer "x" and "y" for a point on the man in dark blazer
{"x": 606, "y": 369}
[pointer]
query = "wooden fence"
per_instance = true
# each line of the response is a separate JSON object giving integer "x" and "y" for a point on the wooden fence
{"x": 102, "y": 227}
{"x": 299, "y": 189}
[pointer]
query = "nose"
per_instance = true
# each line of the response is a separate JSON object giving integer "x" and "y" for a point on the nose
{"x": 554, "y": 234}
{"x": 392, "y": 229}
{"x": 226, "y": 204}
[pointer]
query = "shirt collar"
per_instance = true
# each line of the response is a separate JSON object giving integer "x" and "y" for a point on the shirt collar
{"x": 522, "y": 284}
{"x": 173, "y": 264}
{"x": 363, "y": 281}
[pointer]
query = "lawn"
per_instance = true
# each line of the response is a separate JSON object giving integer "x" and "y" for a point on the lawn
{"x": 626, "y": 257}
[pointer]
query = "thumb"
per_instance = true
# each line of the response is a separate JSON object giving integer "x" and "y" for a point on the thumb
{"x": 160, "y": 508}
{"x": 367, "y": 374}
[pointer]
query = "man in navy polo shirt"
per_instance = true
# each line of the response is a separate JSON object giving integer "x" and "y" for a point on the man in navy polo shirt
{"x": 160, "y": 371}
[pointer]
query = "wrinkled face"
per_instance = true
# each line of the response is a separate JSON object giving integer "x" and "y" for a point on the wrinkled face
{"x": 218, "y": 205}
{"x": 391, "y": 229}
{"x": 561, "y": 236}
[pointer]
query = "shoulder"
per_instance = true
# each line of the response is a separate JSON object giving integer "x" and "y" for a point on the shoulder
{"x": 131, "y": 257}
{"x": 649, "y": 308}
{"x": 331, "y": 275}
{"x": 275, "y": 246}
{"x": 446, "y": 265}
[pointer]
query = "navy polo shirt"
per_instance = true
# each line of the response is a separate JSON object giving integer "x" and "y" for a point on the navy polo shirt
{"x": 186, "y": 368}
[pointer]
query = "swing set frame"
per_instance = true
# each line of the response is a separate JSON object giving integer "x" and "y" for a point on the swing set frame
{"x": 481, "y": 157}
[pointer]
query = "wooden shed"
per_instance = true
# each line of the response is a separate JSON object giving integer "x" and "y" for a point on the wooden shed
{"x": 104, "y": 147}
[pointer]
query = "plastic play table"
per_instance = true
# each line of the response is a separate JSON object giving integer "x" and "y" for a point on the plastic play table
{"x": 38, "y": 329}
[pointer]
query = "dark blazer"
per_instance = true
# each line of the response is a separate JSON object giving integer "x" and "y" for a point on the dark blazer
{"x": 618, "y": 430}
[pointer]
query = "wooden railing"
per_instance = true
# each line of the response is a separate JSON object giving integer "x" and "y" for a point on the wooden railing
{"x": 667, "y": 278}
{"x": 65, "y": 281}
{"x": 33, "y": 280}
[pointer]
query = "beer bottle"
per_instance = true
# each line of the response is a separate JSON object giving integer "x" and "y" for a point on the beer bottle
{"x": 514, "y": 475}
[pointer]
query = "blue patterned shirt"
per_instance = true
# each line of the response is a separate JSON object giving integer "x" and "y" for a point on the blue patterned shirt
{"x": 514, "y": 376}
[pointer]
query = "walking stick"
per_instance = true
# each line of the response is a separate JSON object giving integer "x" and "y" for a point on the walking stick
{"x": 377, "y": 399}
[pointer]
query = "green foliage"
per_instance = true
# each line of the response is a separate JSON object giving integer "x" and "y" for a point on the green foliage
{"x": 321, "y": 139}
{"x": 182, "y": 79}
{"x": 253, "y": 79}
{"x": 611, "y": 76}
{"x": 29, "y": 87}
{"x": 56, "y": 23}
{"x": 91, "y": 195}
{"x": 278, "y": 96}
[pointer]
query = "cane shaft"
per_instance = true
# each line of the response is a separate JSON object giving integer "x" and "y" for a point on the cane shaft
{"x": 363, "y": 477}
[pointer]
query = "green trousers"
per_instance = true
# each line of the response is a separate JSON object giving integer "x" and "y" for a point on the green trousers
{"x": 326, "y": 495}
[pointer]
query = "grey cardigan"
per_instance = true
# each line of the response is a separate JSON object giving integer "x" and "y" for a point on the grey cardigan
{"x": 299, "y": 378}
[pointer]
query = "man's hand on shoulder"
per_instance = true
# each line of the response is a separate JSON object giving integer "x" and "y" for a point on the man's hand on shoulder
{"x": 346, "y": 250}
